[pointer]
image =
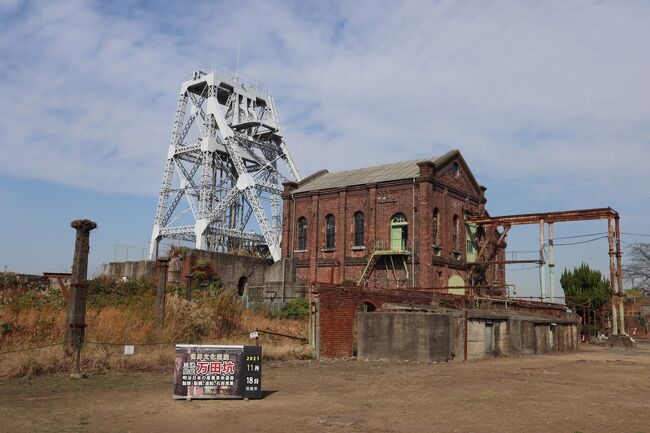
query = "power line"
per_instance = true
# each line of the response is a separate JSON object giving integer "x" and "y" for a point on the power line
{"x": 526, "y": 268}
{"x": 635, "y": 234}
{"x": 30, "y": 348}
{"x": 581, "y": 242}
{"x": 601, "y": 234}
{"x": 581, "y": 236}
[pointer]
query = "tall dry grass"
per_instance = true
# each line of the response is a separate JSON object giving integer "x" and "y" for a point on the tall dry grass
{"x": 209, "y": 319}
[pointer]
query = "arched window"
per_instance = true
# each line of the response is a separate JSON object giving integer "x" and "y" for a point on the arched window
{"x": 330, "y": 231}
{"x": 454, "y": 233}
{"x": 398, "y": 232}
{"x": 241, "y": 286}
{"x": 455, "y": 170}
{"x": 358, "y": 229}
{"x": 436, "y": 227}
{"x": 302, "y": 233}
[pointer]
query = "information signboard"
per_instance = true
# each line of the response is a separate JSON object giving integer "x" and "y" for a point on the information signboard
{"x": 217, "y": 372}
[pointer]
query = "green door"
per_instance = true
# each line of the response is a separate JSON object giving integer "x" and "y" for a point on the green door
{"x": 395, "y": 238}
{"x": 398, "y": 232}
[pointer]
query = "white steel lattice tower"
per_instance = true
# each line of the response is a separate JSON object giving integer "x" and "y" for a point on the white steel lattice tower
{"x": 228, "y": 172}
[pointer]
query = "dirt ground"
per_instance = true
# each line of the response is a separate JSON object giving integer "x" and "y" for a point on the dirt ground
{"x": 594, "y": 390}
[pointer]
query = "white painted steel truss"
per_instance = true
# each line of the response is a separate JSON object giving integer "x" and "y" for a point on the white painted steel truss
{"x": 229, "y": 172}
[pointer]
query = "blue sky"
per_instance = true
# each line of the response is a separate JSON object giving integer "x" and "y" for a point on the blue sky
{"x": 548, "y": 102}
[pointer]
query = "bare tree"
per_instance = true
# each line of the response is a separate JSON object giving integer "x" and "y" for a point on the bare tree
{"x": 637, "y": 270}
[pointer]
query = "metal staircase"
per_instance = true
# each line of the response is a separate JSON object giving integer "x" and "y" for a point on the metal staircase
{"x": 395, "y": 251}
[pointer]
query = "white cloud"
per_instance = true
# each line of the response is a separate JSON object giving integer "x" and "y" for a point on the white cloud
{"x": 526, "y": 90}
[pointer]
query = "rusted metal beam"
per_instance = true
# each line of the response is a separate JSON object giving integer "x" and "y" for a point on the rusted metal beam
{"x": 488, "y": 236}
{"x": 494, "y": 251}
{"x": 486, "y": 241}
{"x": 549, "y": 217}
{"x": 556, "y": 217}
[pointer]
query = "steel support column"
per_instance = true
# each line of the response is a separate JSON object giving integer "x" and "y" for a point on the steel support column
{"x": 551, "y": 261}
{"x": 612, "y": 274}
{"x": 542, "y": 269}
{"x": 619, "y": 276}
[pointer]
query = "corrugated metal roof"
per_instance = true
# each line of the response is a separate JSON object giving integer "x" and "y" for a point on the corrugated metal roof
{"x": 360, "y": 176}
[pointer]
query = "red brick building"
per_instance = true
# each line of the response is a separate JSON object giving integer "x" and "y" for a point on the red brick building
{"x": 395, "y": 225}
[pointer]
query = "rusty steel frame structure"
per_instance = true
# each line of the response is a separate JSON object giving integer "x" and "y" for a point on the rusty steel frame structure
{"x": 491, "y": 225}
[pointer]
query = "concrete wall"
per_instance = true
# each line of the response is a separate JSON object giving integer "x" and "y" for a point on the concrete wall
{"x": 261, "y": 279}
{"x": 428, "y": 337}
{"x": 398, "y": 336}
{"x": 130, "y": 270}
{"x": 231, "y": 268}
{"x": 338, "y": 306}
{"x": 486, "y": 338}
{"x": 522, "y": 336}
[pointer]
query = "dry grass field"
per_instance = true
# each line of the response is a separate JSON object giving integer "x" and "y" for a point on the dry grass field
{"x": 121, "y": 314}
{"x": 592, "y": 391}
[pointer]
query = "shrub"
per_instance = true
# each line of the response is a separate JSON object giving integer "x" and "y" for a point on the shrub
{"x": 7, "y": 328}
{"x": 206, "y": 275}
{"x": 187, "y": 321}
{"x": 106, "y": 291}
{"x": 206, "y": 315}
{"x": 295, "y": 309}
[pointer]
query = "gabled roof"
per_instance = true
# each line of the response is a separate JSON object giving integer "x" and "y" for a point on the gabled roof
{"x": 365, "y": 175}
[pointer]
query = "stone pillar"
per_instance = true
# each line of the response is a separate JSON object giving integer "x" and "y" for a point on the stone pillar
{"x": 372, "y": 220}
{"x": 313, "y": 241}
{"x": 342, "y": 244}
{"x": 76, "y": 308}
{"x": 163, "y": 265}
{"x": 424, "y": 235}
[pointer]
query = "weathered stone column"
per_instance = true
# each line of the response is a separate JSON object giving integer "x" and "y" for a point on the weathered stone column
{"x": 163, "y": 265}
{"x": 79, "y": 284}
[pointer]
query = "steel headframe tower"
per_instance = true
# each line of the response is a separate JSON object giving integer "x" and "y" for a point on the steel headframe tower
{"x": 228, "y": 172}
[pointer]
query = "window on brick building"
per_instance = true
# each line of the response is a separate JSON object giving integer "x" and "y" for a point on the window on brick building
{"x": 302, "y": 233}
{"x": 330, "y": 229}
{"x": 358, "y": 229}
{"x": 436, "y": 227}
{"x": 455, "y": 170}
{"x": 454, "y": 233}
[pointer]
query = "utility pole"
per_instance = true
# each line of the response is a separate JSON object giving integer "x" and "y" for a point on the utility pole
{"x": 76, "y": 308}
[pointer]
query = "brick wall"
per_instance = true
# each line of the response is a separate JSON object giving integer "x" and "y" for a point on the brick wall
{"x": 338, "y": 307}
{"x": 451, "y": 191}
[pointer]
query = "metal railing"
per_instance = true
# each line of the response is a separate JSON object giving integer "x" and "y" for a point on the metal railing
{"x": 392, "y": 245}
